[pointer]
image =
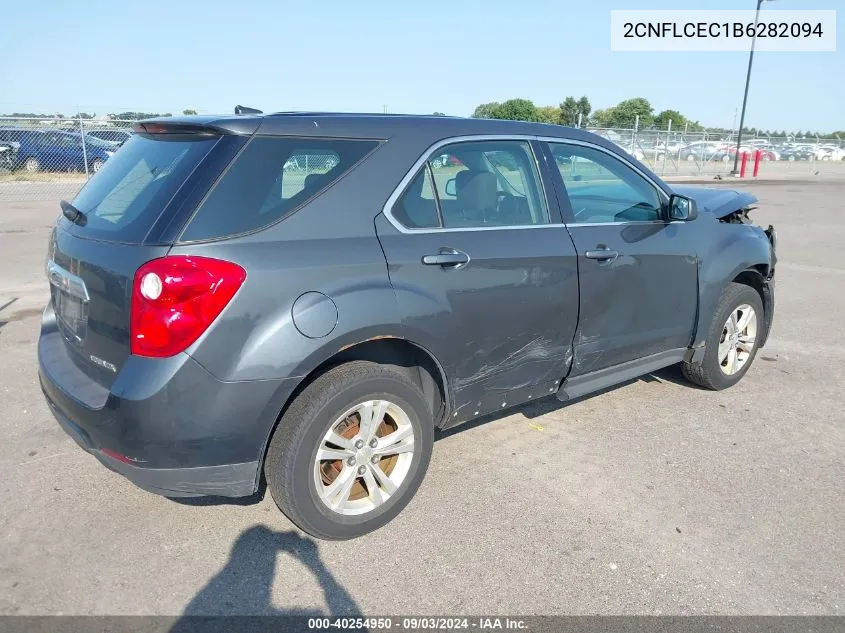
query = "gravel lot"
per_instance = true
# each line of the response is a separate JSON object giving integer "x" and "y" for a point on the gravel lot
{"x": 652, "y": 498}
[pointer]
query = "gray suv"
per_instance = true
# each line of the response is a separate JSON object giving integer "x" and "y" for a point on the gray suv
{"x": 223, "y": 315}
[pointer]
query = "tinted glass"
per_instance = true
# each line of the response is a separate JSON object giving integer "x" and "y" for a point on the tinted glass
{"x": 126, "y": 196}
{"x": 603, "y": 189}
{"x": 488, "y": 183}
{"x": 271, "y": 178}
{"x": 417, "y": 208}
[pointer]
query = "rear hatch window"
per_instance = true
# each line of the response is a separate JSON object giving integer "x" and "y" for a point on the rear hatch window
{"x": 125, "y": 198}
{"x": 271, "y": 178}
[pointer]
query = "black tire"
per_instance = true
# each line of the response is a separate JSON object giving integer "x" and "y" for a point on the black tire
{"x": 707, "y": 372}
{"x": 293, "y": 448}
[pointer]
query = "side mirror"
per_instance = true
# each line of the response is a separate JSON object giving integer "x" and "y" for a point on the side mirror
{"x": 682, "y": 208}
{"x": 451, "y": 188}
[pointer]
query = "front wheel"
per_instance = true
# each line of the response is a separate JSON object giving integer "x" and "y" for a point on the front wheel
{"x": 732, "y": 341}
{"x": 350, "y": 451}
{"x": 97, "y": 165}
{"x": 31, "y": 164}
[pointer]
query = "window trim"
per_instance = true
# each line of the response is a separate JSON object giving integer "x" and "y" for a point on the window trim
{"x": 423, "y": 159}
{"x": 664, "y": 197}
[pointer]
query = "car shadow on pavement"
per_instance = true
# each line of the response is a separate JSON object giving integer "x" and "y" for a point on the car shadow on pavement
{"x": 244, "y": 586}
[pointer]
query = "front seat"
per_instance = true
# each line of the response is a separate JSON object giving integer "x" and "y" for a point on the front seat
{"x": 477, "y": 194}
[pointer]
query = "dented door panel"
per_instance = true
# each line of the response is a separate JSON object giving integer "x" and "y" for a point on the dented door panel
{"x": 501, "y": 325}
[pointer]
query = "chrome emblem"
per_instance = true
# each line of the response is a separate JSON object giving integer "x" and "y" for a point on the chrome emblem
{"x": 102, "y": 363}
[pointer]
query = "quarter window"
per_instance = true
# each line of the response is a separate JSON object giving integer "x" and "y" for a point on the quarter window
{"x": 473, "y": 185}
{"x": 272, "y": 177}
{"x": 603, "y": 189}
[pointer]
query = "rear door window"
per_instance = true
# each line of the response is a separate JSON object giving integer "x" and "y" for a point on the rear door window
{"x": 491, "y": 183}
{"x": 271, "y": 178}
{"x": 125, "y": 198}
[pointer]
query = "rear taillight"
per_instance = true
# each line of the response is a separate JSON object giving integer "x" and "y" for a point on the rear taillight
{"x": 176, "y": 298}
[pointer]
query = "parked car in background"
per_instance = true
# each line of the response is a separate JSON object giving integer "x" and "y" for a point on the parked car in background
{"x": 53, "y": 150}
{"x": 119, "y": 137}
{"x": 631, "y": 149}
{"x": 8, "y": 154}
{"x": 830, "y": 152}
{"x": 769, "y": 150}
{"x": 211, "y": 328}
{"x": 703, "y": 151}
{"x": 797, "y": 152}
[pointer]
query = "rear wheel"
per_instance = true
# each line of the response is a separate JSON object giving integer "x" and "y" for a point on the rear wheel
{"x": 732, "y": 340}
{"x": 351, "y": 450}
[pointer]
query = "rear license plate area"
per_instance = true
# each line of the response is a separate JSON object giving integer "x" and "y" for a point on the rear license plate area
{"x": 71, "y": 315}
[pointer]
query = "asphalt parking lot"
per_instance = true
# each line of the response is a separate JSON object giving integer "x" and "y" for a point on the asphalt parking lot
{"x": 652, "y": 498}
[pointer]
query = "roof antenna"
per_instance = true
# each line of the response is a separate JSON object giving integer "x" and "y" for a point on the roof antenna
{"x": 239, "y": 109}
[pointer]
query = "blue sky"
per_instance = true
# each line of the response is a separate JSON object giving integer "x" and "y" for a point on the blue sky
{"x": 418, "y": 57}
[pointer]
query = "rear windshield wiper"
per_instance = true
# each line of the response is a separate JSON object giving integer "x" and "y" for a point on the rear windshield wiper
{"x": 73, "y": 214}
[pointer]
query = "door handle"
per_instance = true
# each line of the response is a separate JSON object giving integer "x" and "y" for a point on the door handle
{"x": 446, "y": 258}
{"x": 602, "y": 254}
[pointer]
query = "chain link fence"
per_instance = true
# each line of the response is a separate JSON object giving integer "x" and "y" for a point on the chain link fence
{"x": 51, "y": 158}
{"x": 689, "y": 154}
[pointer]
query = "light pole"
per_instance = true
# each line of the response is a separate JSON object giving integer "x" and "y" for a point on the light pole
{"x": 747, "y": 81}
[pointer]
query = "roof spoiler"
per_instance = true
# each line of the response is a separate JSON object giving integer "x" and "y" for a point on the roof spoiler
{"x": 166, "y": 127}
{"x": 239, "y": 109}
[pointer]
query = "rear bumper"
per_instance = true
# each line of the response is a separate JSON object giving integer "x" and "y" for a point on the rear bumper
{"x": 167, "y": 425}
{"x": 227, "y": 480}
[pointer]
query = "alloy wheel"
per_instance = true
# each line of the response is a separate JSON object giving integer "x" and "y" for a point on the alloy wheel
{"x": 364, "y": 457}
{"x": 737, "y": 341}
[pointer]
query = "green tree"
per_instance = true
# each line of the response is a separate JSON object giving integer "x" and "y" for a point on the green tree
{"x": 516, "y": 110}
{"x": 602, "y": 118}
{"x": 661, "y": 121}
{"x": 572, "y": 109}
{"x": 624, "y": 114}
{"x": 188, "y": 112}
{"x": 486, "y": 110}
{"x": 549, "y": 114}
{"x": 439, "y": 114}
{"x": 679, "y": 121}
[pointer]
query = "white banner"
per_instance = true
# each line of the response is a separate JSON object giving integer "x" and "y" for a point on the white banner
{"x": 729, "y": 30}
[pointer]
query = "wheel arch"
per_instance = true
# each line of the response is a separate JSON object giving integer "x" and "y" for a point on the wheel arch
{"x": 755, "y": 277}
{"x": 740, "y": 255}
{"x": 419, "y": 364}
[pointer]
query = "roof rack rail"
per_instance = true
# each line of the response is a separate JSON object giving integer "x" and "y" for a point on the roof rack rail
{"x": 239, "y": 109}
